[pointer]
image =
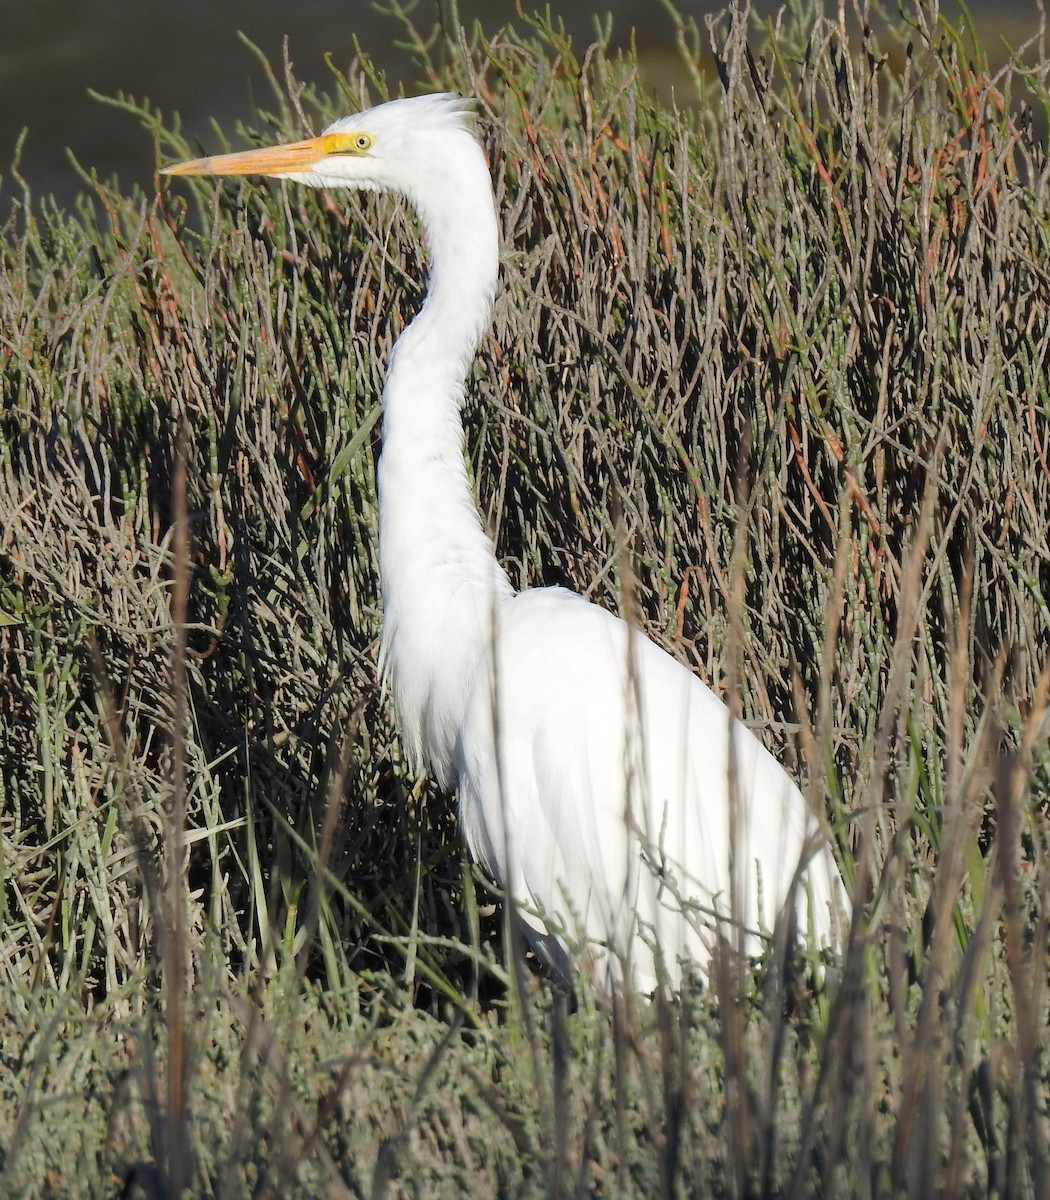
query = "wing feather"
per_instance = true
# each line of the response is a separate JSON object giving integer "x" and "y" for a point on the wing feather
{"x": 606, "y": 812}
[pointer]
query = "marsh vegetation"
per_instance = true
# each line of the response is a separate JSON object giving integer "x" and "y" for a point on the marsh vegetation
{"x": 783, "y": 350}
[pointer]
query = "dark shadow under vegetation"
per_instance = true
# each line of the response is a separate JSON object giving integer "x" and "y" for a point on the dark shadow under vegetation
{"x": 793, "y": 338}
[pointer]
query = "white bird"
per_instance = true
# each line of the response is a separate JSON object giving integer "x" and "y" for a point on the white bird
{"x": 610, "y": 793}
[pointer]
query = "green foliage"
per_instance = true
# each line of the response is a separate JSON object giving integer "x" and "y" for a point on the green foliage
{"x": 793, "y": 342}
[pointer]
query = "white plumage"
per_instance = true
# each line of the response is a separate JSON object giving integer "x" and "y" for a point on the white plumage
{"x": 603, "y": 785}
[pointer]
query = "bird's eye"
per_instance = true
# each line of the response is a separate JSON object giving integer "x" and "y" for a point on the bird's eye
{"x": 347, "y": 143}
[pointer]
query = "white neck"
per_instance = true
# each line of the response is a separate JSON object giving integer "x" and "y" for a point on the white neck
{"x": 440, "y": 579}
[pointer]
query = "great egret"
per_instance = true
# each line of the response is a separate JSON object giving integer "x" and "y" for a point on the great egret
{"x": 605, "y": 787}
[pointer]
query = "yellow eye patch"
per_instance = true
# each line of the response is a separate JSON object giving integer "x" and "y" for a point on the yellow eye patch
{"x": 347, "y": 143}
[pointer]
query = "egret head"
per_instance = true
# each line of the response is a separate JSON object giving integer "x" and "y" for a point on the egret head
{"x": 404, "y": 146}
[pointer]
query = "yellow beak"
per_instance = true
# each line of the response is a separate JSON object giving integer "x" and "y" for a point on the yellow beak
{"x": 270, "y": 160}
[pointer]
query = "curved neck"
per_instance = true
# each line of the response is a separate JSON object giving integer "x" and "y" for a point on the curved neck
{"x": 441, "y": 582}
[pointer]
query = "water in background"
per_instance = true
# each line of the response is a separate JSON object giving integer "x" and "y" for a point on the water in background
{"x": 187, "y": 57}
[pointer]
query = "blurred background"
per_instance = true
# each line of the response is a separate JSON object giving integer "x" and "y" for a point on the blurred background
{"x": 187, "y": 57}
